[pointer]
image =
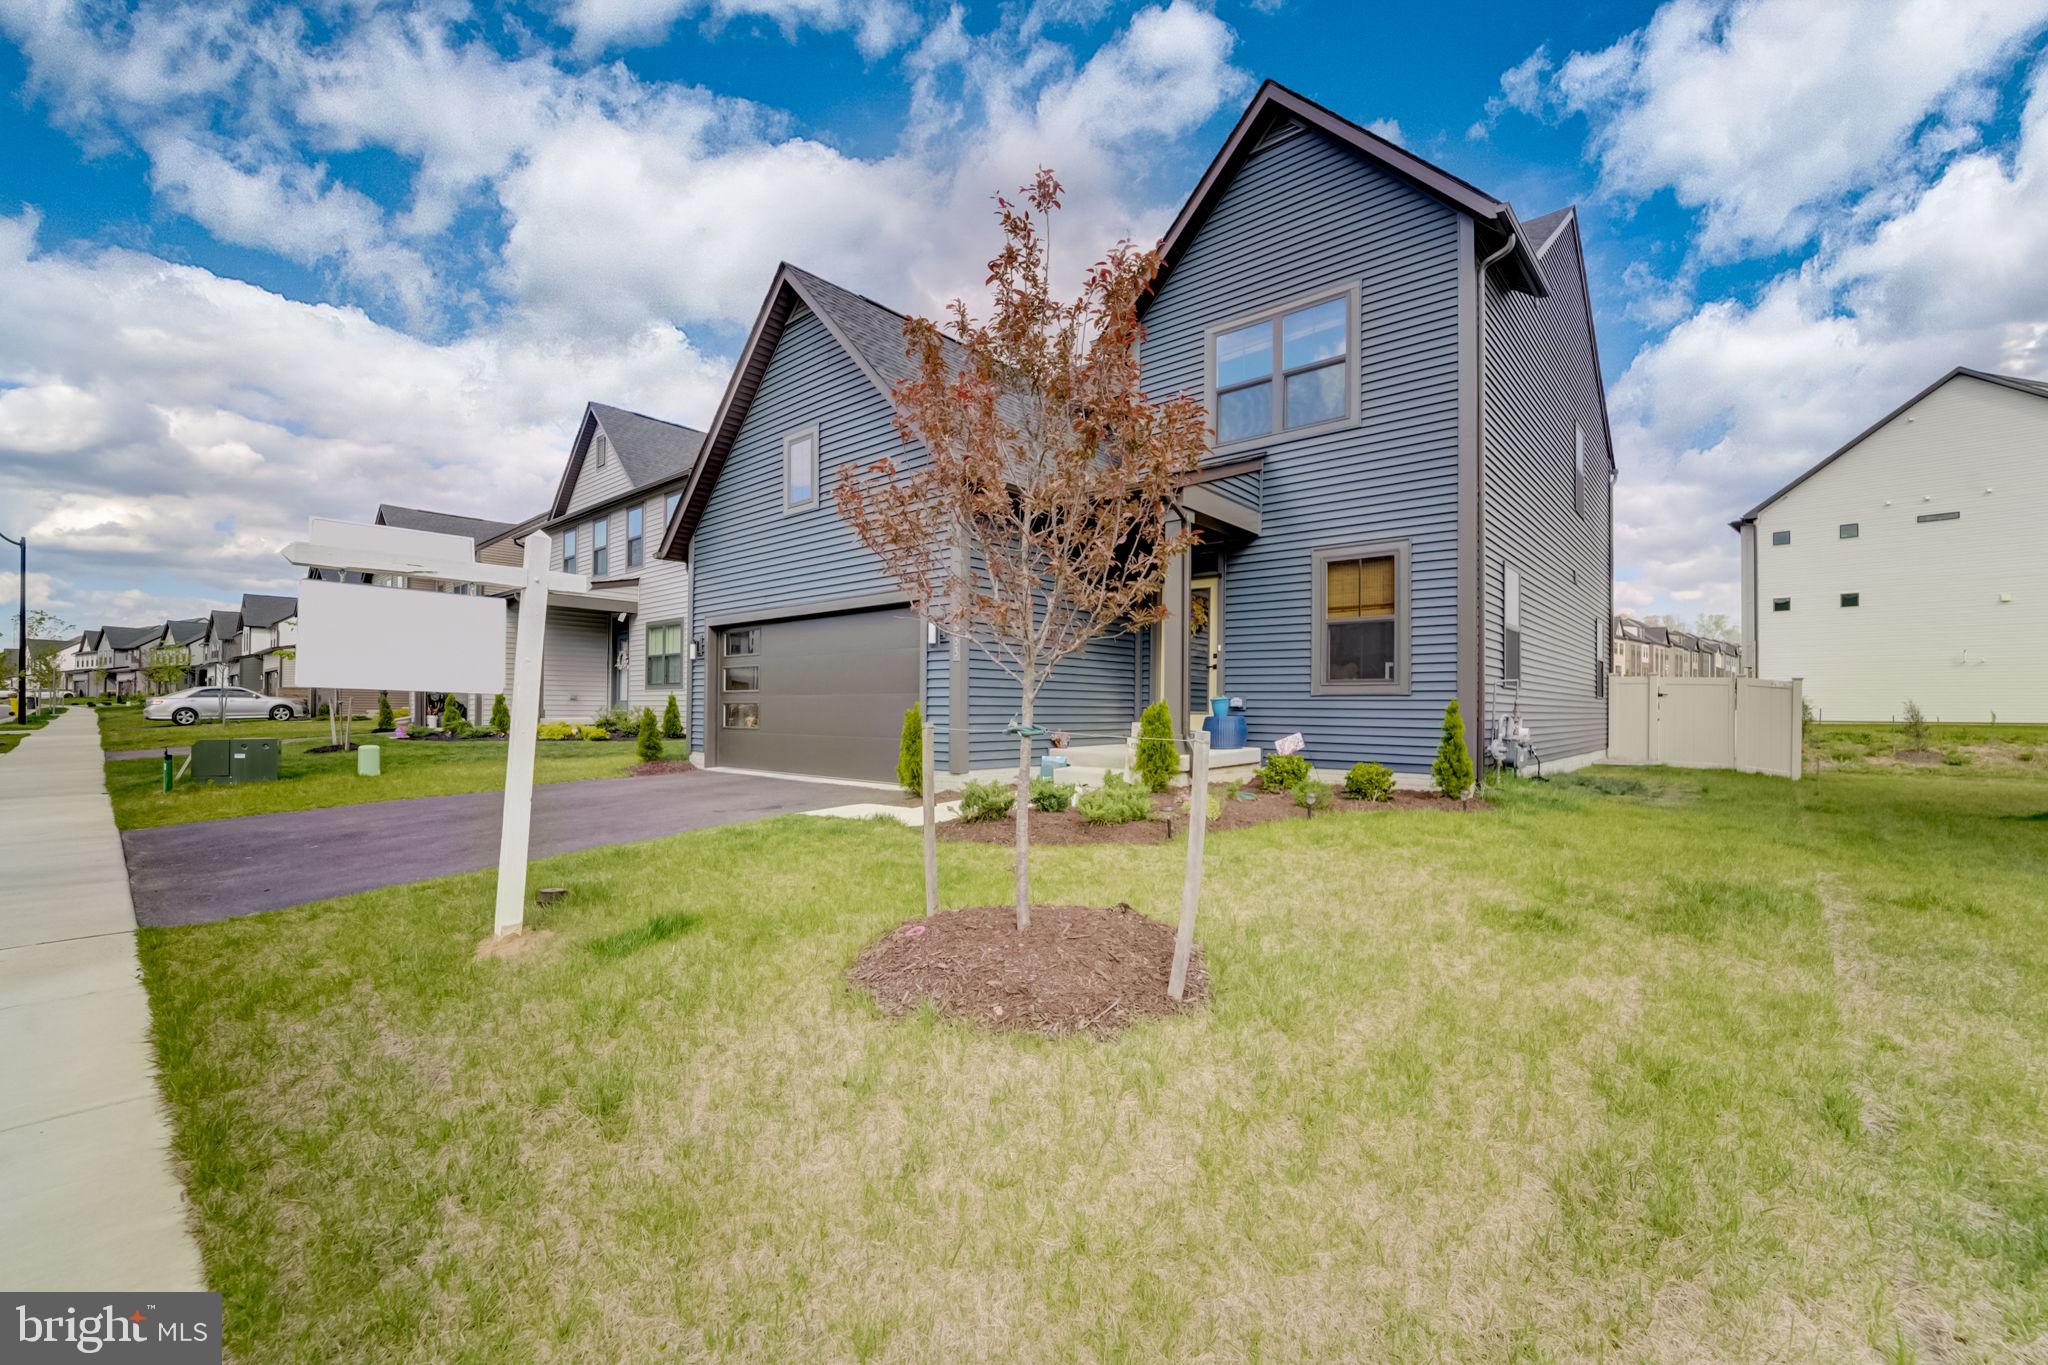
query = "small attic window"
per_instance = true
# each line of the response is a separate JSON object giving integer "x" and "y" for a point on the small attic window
{"x": 597, "y": 448}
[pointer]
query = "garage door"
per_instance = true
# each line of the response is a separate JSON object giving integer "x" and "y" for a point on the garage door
{"x": 823, "y": 695}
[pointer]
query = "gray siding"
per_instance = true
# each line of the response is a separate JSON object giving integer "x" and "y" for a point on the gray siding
{"x": 750, "y": 556}
{"x": 1242, "y": 489}
{"x": 596, "y": 484}
{"x": 664, "y": 597}
{"x": 1089, "y": 696}
{"x": 1540, "y": 382}
{"x": 576, "y": 665}
{"x": 1305, "y": 214}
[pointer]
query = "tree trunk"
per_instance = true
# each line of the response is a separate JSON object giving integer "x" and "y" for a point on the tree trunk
{"x": 1024, "y": 820}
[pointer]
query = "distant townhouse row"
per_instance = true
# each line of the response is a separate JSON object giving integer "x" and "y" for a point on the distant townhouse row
{"x": 249, "y": 646}
{"x": 1642, "y": 650}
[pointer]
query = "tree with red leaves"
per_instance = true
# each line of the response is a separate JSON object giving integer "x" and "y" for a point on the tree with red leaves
{"x": 1039, "y": 517}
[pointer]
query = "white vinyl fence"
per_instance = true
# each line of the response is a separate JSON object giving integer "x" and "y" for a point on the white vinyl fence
{"x": 1748, "y": 724}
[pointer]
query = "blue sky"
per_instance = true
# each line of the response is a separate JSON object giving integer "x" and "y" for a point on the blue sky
{"x": 260, "y": 263}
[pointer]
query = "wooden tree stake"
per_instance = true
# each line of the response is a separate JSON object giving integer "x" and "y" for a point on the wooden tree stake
{"x": 931, "y": 827}
{"x": 1191, "y": 885}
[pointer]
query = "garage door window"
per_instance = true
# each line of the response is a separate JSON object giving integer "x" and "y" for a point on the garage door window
{"x": 742, "y": 642}
{"x": 742, "y": 715}
{"x": 742, "y": 679}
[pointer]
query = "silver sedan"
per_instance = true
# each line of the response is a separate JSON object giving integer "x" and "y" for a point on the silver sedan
{"x": 209, "y": 703}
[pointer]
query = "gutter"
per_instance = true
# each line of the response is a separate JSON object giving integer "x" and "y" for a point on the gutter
{"x": 1477, "y": 741}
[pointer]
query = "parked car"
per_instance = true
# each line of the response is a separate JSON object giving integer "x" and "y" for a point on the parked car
{"x": 206, "y": 703}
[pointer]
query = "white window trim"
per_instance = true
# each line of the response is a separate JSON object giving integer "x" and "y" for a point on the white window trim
{"x": 817, "y": 468}
{"x": 1346, "y": 291}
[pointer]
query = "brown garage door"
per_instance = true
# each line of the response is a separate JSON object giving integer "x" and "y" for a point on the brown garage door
{"x": 822, "y": 694}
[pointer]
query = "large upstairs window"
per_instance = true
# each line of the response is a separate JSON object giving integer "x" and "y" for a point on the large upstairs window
{"x": 1288, "y": 371}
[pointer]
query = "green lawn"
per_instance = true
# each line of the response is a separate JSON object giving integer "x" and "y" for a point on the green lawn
{"x": 124, "y": 728}
{"x": 309, "y": 780}
{"x": 1639, "y": 1066}
{"x": 1996, "y": 746}
{"x": 10, "y": 742}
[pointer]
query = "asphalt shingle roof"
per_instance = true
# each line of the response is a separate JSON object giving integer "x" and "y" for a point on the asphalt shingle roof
{"x": 441, "y": 523}
{"x": 263, "y": 610}
{"x": 185, "y": 632}
{"x": 129, "y": 637}
{"x": 650, "y": 450}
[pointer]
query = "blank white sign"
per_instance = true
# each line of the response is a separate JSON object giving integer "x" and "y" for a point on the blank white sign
{"x": 399, "y": 639}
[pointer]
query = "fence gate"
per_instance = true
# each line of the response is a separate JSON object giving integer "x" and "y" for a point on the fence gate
{"x": 1749, "y": 724}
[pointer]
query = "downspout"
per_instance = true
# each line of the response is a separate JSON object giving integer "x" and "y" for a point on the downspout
{"x": 1478, "y": 743}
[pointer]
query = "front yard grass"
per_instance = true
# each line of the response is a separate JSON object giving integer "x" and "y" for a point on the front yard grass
{"x": 124, "y": 728}
{"x": 1640, "y": 1065}
{"x": 308, "y": 780}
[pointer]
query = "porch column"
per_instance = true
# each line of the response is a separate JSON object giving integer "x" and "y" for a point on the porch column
{"x": 1173, "y": 638}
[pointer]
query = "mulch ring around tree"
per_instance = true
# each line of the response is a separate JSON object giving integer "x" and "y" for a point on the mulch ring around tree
{"x": 656, "y": 767}
{"x": 1251, "y": 806}
{"x": 1077, "y": 969}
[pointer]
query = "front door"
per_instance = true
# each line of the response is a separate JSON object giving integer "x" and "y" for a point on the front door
{"x": 622, "y": 654}
{"x": 1205, "y": 646}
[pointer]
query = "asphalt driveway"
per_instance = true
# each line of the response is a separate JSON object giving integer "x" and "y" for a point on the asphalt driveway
{"x": 217, "y": 869}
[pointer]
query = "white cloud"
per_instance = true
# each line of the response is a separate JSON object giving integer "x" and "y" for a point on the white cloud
{"x": 1762, "y": 114}
{"x": 1738, "y": 398}
{"x": 878, "y": 26}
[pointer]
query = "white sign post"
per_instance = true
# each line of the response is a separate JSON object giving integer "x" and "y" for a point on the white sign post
{"x": 356, "y": 636}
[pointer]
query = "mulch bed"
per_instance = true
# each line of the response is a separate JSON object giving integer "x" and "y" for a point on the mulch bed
{"x": 1920, "y": 756}
{"x": 334, "y": 749}
{"x": 1252, "y": 806}
{"x": 1077, "y": 969}
{"x": 659, "y": 766}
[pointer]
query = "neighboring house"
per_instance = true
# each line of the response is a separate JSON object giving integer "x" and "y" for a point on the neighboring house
{"x": 1408, "y": 501}
{"x": 121, "y": 651}
{"x": 623, "y": 644}
{"x": 265, "y": 643}
{"x": 176, "y": 640}
{"x": 213, "y": 653}
{"x": 1910, "y": 564}
{"x": 493, "y": 544}
{"x": 10, "y": 662}
{"x": 1642, "y": 650}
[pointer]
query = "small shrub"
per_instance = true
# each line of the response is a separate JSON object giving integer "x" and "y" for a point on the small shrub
{"x": 1369, "y": 782}
{"x": 672, "y": 719}
{"x": 556, "y": 729}
{"x": 2026, "y": 755}
{"x": 647, "y": 744}
{"x": 1956, "y": 759}
{"x": 501, "y": 715}
{"x": 450, "y": 707}
{"x": 617, "y": 719}
{"x": 458, "y": 728}
{"x": 1283, "y": 772}
{"x": 1453, "y": 766}
{"x": 1158, "y": 760}
{"x": 596, "y": 732}
{"x": 985, "y": 801}
{"x": 1311, "y": 795}
{"x": 385, "y": 720}
{"x": 1118, "y": 801}
{"x": 1050, "y": 795}
{"x": 1914, "y": 726}
{"x": 910, "y": 753}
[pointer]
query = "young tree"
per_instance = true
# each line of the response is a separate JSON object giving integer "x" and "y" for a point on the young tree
{"x": 1453, "y": 766}
{"x": 1039, "y": 518}
{"x": 910, "y": 752}
{"x": 647, "y": 743}
{"x": 385, "y": 720}
{"x": 166, "y": 667}
{"x": 501, "y": 715}
{"x": 671, "y": 719}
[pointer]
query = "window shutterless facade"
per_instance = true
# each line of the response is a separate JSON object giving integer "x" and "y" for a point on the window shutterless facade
{"x": 1852, "y": 599}
{"x": 569, "y": 550}
{"x": 1359, "y": 642}
{"x": 800, "y": 469}
{"x": 665, "y": 654}
{"x": 1849, "y": 530}
{"x": 1781, "y": 537}
{"x": 636, "y": 525}
{"x": 600, "y": 546}
{"x": 1781, "y": 604}
{"x": 1285, "y": 372}
{"x": 668, "y": 510}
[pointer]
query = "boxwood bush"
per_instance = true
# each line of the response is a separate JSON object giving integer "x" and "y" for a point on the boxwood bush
{"x": 1050, "y": 795}
{"x": 986, "y": 801}
{"x": 1369, "y": 782}
{"x": 1283, "y": 772}
{"x": 1117, "y": 801}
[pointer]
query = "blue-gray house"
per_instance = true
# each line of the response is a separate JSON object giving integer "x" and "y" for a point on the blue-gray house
{"x": 1407, "y": 500}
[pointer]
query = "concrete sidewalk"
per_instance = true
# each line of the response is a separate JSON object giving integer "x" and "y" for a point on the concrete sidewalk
{"x": 87, "y": 1195}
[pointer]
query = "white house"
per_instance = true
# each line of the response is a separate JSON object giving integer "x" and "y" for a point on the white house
{"x": 1911, "y": 564}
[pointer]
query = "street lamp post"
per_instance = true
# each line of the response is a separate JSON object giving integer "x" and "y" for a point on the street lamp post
{"x": 21, "y": 632}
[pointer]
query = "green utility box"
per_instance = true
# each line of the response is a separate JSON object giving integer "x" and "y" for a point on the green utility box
{"x": 235, "y": 760}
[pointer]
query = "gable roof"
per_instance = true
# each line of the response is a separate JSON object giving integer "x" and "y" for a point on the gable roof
{"x": 1546, "y": 232}
{"x": 263, "y": 610}
{"x": 2035, "y": 387}
{"x": 871, "y": 334}
{"x": 184, "y": 632}
{"x": 226, "y": 623}
{"x": 441, "y": 523}
{"x": 1275, "y": 105}
{"x": 650, "y": 450}
{"x": 131, "y": 637}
